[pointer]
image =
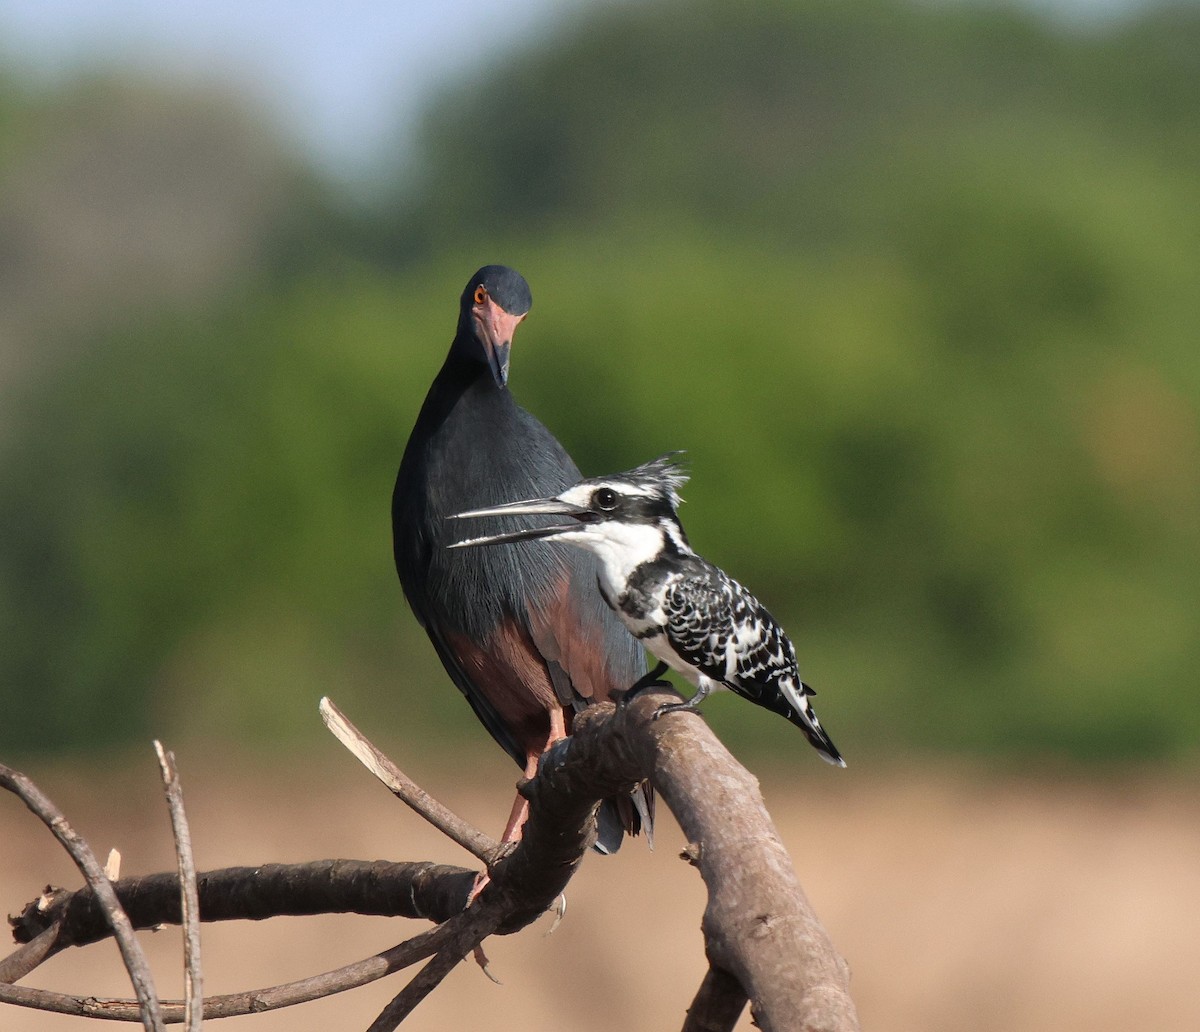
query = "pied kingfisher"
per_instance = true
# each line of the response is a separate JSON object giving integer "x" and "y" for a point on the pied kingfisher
{"x": 691, "y": 615}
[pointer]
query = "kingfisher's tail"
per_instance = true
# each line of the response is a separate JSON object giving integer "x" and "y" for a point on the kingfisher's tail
{"x": 801, "y": 713}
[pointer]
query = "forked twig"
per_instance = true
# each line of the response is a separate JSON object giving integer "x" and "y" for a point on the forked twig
{"x": 93, "y": 873}
{"x": 474, "y": 926}
{"x": 351, "y": 976}
{"x": 189, "y": 894}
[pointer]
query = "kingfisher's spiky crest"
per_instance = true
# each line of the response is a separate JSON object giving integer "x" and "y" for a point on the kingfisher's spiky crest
{"x": 664, "y": 476}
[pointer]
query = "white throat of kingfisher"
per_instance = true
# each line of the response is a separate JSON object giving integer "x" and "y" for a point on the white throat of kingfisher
{"x": 622, "y": 547}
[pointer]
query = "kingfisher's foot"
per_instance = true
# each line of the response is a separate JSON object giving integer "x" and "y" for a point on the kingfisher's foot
{"x": 691, "y": 706}
{"x": 651, "y": 679}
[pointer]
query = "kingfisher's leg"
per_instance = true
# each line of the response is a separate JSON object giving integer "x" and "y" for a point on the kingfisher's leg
{"x": 651, "y": 679}
{"x": 704, "y": 686}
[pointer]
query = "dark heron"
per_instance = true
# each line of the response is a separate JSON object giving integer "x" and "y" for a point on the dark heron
{"x": 523, "y": 634}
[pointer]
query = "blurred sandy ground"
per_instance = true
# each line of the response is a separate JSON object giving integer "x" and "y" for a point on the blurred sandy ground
{"x": 961, "y": 900}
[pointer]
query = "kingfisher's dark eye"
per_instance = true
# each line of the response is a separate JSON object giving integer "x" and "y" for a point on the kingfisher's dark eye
{"x": 480, "y": 294}
{"x": 605, "y": 499}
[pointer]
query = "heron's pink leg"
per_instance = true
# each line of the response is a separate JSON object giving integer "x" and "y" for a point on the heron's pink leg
{"x": 520, "y": 808}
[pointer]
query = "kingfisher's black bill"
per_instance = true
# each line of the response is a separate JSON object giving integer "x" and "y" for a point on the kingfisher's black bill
{"x": 533, "y": 507}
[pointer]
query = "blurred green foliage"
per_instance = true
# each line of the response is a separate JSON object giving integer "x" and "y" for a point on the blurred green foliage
{"x": 915, "y": 287}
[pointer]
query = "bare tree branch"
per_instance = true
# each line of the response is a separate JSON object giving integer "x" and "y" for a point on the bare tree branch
{"x": 763, "y": 941}
{"x": 93, "y": 873}
{"x": 405, "y": 789}
{"x": 351, "y": 976}
{"x": 189, "y": 896}
{"x": 527, "y": 876}
{"x": 758, "y": 925}
{"x": 434, "y": 892}
{"x": 417, "y": 890}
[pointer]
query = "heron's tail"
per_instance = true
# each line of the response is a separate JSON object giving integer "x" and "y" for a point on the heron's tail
{"x": 628, "y": 815}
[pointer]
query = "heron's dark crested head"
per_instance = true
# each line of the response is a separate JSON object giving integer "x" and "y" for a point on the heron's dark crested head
{"x": 505, "y": 286}
{"x": 495, "y": 300}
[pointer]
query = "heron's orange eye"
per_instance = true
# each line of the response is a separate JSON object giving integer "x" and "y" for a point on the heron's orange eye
{"x": 480, "y": 295}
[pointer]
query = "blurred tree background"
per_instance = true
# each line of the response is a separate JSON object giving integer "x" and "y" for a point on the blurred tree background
{"x": 914, "y": 285}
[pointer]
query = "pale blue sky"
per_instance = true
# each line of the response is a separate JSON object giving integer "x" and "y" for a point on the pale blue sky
{"x": 348, "y": 77}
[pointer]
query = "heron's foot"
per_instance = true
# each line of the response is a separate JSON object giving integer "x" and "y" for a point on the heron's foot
{"x": 651, "y": 679}
{"x": 481, "y": 883}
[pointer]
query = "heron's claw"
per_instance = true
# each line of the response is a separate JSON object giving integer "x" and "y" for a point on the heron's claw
{"x": 481, "y": 882}
{"x": 482, "y": 961}
{"x": 560, "y": 911}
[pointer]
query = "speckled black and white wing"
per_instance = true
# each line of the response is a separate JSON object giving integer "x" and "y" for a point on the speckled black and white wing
{"x": 722, "y": 631}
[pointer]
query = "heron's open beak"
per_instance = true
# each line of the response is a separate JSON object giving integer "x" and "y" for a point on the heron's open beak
{"x": 533, "y": 507}
{"x": 495, "y": 328}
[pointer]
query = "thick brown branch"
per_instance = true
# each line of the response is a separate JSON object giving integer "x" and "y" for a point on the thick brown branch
{"x": 758, "y": 925}
{"x": 418, "y": 890}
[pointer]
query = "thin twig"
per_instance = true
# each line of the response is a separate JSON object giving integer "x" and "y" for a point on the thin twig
{"x": 718, "y": 1004}
{"x": 85, "y": 860}
{"x": 474, "y": 926}
{"x": 474, "y": 841}
{"x": 189, "y": 894}
{"x": 316, "y": 987}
